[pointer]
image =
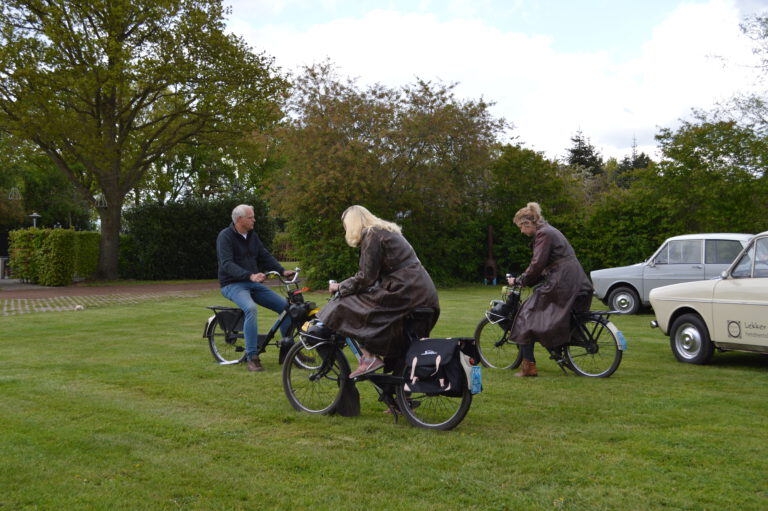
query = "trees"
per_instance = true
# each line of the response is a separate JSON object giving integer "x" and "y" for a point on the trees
{"x": 38, "y": 186}
{"x": 106, "y": 89}
{"x": 622, "y": 175}
{"x": 583, "y": 155}
{"x": 416, "y": 155}
{"x": 518, "y": 176}
{"x": 714, "y": 173}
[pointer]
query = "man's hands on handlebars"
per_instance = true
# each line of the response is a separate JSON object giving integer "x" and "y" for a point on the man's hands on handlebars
{"x": 258, "y": 277}
{"x": 261, "y": 277}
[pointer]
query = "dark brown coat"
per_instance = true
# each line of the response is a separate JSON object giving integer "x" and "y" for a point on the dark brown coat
{"x": 546, "y": 315}
{"x": 389, "y": 284}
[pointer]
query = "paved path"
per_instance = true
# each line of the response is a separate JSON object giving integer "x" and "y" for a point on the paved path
{"x": 19, "y": 298}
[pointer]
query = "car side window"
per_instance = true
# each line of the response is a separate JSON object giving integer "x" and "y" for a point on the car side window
{"x": 721, "y": 251}
{"x": 685, "y": 252}
{"x": 663, "y": 256}
{"x": 743, "y": 268}
{"x": 761, "y": 258}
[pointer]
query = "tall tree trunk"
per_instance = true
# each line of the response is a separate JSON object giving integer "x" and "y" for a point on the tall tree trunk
{"x": 109, "y": 245}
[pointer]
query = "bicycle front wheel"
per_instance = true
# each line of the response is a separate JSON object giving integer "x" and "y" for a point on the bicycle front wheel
{"x": 433, "y": 411}
{"x": 314, "y": 388}
{"x": 594, "y": 348}
{"x": 487, "y": 336}
{"x": 226, "y": 347}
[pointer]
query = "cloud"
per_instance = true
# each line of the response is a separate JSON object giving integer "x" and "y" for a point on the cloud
{"x": 548, "y": 95}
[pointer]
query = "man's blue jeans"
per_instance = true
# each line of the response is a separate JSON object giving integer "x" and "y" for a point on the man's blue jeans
{"x": 247, "y": 295}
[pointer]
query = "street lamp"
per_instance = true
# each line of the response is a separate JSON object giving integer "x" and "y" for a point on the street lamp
{"x": 34, "y": 217}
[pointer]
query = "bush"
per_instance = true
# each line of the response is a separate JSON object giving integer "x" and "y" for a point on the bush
{"x": 24, "y": 245}
{"x": 178, "y": 240}
{"x": 53, "y": 257}
{"x": 87, "y": 252}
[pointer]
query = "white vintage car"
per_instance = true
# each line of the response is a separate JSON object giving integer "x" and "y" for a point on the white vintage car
{"x": 727, "y": 313}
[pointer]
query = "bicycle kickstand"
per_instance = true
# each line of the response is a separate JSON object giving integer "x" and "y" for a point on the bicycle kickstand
{"x": 559, "y": 358}
{"x": 388, "y": 400}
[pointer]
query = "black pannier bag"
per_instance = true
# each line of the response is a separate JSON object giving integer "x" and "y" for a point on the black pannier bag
{"x": 434, "y": 366}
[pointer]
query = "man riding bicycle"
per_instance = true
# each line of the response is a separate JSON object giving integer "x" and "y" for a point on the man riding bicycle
{"x": 243, "y": 261}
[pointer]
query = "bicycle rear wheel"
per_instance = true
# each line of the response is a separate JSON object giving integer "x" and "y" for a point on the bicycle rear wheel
{"x": 314, "y": 389}
{"x": 594, "y": 348}
{"x": 433, "y": 411}
{"x": 226, "y": 347}
{"x": 505, "y": 356}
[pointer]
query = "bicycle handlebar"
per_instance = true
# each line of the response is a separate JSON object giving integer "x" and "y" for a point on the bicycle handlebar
{"x": 274, "y": 274}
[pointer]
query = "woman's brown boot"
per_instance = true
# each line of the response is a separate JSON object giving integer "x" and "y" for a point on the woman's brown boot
{"x": 529, "y": 369}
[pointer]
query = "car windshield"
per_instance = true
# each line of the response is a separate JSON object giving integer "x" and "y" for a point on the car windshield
{"x": 757, "y": 254}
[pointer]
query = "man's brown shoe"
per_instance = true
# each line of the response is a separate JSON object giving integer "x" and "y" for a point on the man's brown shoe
{"x": 254, "y": 364}
{"x": 529, "y": 369}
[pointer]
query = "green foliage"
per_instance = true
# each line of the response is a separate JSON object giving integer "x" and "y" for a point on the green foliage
{"x": 583, "y": 155}
{"x": 107, "y": 89}
{"x": 57, "y": 258}
{"x": 712, "y": 177}
{"x": 624, "y": 227}
{"x": 41, "y": 188}
{"x": 282, "y": 247}
{"x": 414, "y": 156}
{"x": 87, "y": 253}
{"x": 52, "y": 257}
{"x": 178, "y": 240}
{"x": 24, "y": 245}
{"x": 519, "y": 176}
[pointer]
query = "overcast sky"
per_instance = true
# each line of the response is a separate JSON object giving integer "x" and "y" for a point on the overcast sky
{"x": 616, "y": 70}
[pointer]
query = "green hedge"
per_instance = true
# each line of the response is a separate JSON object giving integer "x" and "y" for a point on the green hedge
{"x": 52, "y": 257}
{"x": 178, "y": 240}
{"x": 163, "y": 242}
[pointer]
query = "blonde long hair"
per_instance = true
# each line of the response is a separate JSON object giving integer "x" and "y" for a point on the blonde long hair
{"x": 530, "y": 213}
{"x": 357, "y": 218}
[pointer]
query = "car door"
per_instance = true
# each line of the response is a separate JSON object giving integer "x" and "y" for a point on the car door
{"x": 740, "y": 302}
{"x": 677, "y": 261}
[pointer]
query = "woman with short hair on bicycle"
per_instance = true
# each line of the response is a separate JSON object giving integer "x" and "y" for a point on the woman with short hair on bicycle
{"x": 390, "y": 283}
{"x": 559, "y": 286}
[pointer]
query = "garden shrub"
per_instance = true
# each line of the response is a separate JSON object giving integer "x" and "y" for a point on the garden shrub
{"x": 178, "y": 240}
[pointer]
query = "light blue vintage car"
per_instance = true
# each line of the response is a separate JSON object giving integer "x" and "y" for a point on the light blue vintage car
{"x": 684, "y": 258}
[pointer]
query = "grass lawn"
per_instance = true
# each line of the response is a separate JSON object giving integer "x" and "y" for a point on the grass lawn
{"x": 122, "y": 407}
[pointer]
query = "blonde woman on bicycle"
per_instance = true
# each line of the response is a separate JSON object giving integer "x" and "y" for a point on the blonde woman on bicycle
{"x": 389, "y": 283}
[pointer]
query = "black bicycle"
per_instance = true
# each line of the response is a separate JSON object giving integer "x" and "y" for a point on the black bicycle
{"x": 594, "y": 349}
{"x": 224, "y": 330}
{"x": 321, "y": 388}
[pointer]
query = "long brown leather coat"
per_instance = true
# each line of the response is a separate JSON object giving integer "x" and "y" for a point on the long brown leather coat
{"x": 390, "y": 283}
{"x": 546, "y": 315}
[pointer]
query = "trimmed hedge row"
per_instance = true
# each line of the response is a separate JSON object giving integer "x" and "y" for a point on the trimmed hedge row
{"x": 178, "y": 240}
{"x": 53, "y": 257}
{"x": 163, "y": 242}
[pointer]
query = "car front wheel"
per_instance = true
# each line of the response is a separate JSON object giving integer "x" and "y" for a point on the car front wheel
{"x": 624, "y": 300}
{"x": 689, "y": 340}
